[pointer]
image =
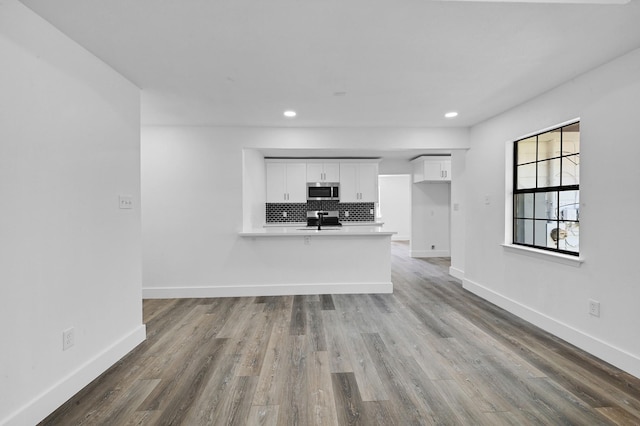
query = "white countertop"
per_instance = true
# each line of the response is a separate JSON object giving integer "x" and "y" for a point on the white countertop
{"x": 302, "y": 230}
{"x": 303, "y": 224}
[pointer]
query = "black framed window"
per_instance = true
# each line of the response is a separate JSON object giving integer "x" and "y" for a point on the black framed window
{"x": 546, "y": 194}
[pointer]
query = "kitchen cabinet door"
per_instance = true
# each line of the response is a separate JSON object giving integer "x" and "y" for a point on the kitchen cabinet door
{"x": 323, "y": 172}
{"x": 368, "y": 183}
{"x": 348, "y": 183}
{"x": 286, "y": 182}
{"x": 331, "y": 172}
{"x": 296, "y": 183}
{"x": 446, "y": 170}
{"x": 358, "y": 183}
{"x": 315, "y": 171}
{"x": 276, "y": 183}
{"x": 431, "y": 170}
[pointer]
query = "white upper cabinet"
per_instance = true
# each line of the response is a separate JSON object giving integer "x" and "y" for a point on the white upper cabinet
{"x": 286, "y": 182}
{"x": 358, "y": 182}
{"x": 323, "y": 172}
{"x": 430, "y": 169}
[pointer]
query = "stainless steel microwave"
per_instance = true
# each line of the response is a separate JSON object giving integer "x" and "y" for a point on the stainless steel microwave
{"x": 319, "y": 191}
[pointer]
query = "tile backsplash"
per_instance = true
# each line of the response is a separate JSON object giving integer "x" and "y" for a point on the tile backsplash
{"x": 297, "y": 212}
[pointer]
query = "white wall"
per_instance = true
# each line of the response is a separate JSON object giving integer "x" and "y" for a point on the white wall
{"x": 551, "y": 294}
{"x": 69, "y": 144}
{"x": 430, "y": 219}
{"x": 458, "y": 210}
{"x": 395, "y": 204}
{"x": 253, "y": 188}
{"x": 192, "y": 185}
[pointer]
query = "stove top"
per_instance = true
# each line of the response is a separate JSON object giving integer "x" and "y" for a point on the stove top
{"x": 329, "y": 218}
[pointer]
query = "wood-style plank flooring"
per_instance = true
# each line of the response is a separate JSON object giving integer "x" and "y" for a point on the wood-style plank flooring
{"x": 430, "y": 353}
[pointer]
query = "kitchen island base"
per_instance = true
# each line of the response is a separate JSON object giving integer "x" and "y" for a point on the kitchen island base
{"x": 305, "y": 263}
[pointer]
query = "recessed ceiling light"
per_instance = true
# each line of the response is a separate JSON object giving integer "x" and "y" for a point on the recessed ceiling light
{"x": 290, "y": 114}
{"x": 451, "y": 114}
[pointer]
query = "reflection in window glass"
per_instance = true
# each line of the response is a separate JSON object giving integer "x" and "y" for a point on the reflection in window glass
{"x": 569, "y": 240}
{"x": 524, "y": 231}
{"x": 542, "y": 228}
{"x": 571, "y": 170}
{"x": 571, "y": 139}
{"x": 569, "y": 205}
{"x": 527, "y": 176}
{"x": 524, "y": 205}
{"x": 546, "y": 205}
{"x": 548, "y": 173}
{"x": 549, "y": 145}
{"x": 527, "y": 150}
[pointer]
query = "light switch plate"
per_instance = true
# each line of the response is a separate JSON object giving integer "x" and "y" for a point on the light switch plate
{"x": 125, "y": 201}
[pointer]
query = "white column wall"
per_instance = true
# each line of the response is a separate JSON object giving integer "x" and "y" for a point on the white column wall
{"x": 430, "y": 219}
{"x": 553, "y": 295}
{"x": 69, "y": 257}
{"x": 458, "y": 211}
{"x": 395, "y": 204}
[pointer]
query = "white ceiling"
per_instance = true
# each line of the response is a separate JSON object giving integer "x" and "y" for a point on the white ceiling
{"x": 397, "y": 63}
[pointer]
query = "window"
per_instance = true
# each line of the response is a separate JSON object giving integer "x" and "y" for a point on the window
{"x": 546, "y": 195}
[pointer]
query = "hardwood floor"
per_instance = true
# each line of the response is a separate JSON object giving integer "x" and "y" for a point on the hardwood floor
{"x": 431, "y": 353}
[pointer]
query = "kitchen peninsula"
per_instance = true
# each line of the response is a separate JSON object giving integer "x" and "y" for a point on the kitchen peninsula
{"x": 347, "y": 260}
{"x": 284, "y": 252}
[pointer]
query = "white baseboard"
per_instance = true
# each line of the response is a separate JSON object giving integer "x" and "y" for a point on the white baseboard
{"x": 429, "y": 253}
{"x": 265, "y": 290}
{"x": 47, "y": 402}
{"x": 596, "y": 347}
{"x": 456, "y": 273}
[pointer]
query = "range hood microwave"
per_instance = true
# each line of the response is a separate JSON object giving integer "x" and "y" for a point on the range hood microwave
{"x": 321, "y": 191}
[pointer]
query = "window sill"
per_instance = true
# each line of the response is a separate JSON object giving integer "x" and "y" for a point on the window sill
{"x": 545, "y": 255}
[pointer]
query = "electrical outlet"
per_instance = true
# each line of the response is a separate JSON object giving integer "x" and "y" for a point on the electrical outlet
{"x": 346, "y": 214}
{"x": 284, "y": 214}
{"x": 594, "y": 308}
{"x": 126, "y": 201}
{"x": 433, "y": 247}
{"x": 68, "y": 338}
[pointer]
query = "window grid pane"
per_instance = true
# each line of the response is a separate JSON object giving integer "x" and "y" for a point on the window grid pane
{"x": 526, "y": 149}
{"x": 546, "y": 194}
{"x": 527, "y": 176}
{"x": 549, "y": 145}
{"x": 546, "y": 205}
{"x": 570, "y": 170}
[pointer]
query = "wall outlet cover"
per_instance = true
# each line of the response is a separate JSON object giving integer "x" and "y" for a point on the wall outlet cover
{"x": 68, "y": 338}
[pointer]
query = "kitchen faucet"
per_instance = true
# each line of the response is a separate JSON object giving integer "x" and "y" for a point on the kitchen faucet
{"x": 320, "y": 215}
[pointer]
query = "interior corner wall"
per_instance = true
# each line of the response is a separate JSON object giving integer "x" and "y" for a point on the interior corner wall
{"x": 69, "y": 257}
{"x": 549, "y": 294}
